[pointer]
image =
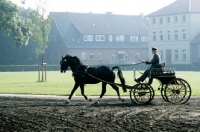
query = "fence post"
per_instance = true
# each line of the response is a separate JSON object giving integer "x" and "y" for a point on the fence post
{"x": 38, "y": 72}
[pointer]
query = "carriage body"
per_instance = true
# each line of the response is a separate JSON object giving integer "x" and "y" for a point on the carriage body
{"x": 173, "y": 89}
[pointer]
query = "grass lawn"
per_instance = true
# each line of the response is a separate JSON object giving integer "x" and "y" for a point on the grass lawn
{"x": 61, "y": 84}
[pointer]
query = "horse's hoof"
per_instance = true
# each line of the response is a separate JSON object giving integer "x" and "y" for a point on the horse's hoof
{"x": 122, "y": 100}
{"x": 67, "y": 102}
{"x": 90, "y": 100}
{"x": 96, "y": 103}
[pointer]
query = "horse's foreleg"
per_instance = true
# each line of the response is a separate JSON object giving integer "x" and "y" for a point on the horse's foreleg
{"x": 76, "y": 85}
{"x": 82, "y": 92}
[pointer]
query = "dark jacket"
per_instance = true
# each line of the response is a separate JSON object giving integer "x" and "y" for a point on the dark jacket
{"x": 155, "y": 62}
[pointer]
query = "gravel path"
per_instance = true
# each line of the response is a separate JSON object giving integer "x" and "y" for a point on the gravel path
{"x": 50, "y": 113}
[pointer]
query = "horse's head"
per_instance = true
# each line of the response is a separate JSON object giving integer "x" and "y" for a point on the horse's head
{"x": 63, "y": 65}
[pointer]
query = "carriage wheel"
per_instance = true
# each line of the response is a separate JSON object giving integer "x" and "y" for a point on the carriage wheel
{"x": 177, "y": 91}
{"x": 141, "y": 94}
{"x": 162, "y": 91}
{"x": 188, "y": 91}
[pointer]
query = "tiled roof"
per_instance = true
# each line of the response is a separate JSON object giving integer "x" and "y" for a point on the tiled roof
{"x": 90, "y": 23}
{"x": 178, "y": 7}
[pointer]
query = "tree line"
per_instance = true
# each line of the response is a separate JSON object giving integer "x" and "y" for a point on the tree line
{"x": 23, "y": 33}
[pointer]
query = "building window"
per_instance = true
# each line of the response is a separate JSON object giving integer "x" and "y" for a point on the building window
{"x": 110, "y": 38}
{"x": 99, "y": 56}
{"x": 161, "y": 54}
{"x": 91, "y": 56}
{"x": 184, "y": 54}
{"x": 175, "y": 19}
{"x": 154, "y": 21}
{"x": 154, "y": 36}
{"x": 183, "y": 19}
{"x": 133, "y": 38}
{"x": 119, "y": 38}
{"x": 176, "y": 35}
{"x": 161, "y": 35}
{"x": 144, "y": 39}
{"x": 184, "y": 34}
{"x": 100, "y": 37}
{"x": 161, "y": 21}
{"x": 83, "y": 56}
{"x": 168, "y": 20}
{"x": 138, "y": 55}
{"x": 113, "y": 56}
{"x": 176, "y": 55}
{"x": 88, "y": 37}
{"x": 168, "y": 36}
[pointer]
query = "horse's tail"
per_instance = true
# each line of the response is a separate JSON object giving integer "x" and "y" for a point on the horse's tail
{"x": 120, "y": 75}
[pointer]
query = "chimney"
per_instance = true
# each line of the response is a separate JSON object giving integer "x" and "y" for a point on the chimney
{"x": 142, "y": 15}
{"x": 109, "y": 13}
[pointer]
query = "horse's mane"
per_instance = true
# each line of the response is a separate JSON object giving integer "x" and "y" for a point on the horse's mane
{"x": 75, "y": 57}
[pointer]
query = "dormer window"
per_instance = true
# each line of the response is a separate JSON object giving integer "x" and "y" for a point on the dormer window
{"x": 133, "y": 38}
{"x": 88, "y": 37}
{"x": 100, "y": 37}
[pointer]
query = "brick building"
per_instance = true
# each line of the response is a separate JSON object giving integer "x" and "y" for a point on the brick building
{"x": 98, "y": 38}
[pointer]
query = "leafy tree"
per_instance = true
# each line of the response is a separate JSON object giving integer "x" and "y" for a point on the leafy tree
{"x": 41, "y": 29}
{"x": 13, "y": 24}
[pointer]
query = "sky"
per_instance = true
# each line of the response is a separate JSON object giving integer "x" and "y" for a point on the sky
{"x": 125, "y": 7}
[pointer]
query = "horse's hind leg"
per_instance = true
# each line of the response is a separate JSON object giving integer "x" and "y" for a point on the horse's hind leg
{"x": 117, "y": 90}
{"x": 102, "y": 92}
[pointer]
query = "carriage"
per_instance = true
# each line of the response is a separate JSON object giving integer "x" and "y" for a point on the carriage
{"x": 174, "y": 90}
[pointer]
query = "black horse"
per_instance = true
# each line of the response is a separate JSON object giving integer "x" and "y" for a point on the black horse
{"x": 84, "y": 74}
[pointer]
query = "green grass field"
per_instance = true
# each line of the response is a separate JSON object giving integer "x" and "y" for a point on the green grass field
{"x": 61, "y": 84}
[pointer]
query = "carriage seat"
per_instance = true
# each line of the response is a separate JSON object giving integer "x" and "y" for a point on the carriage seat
{"x": 161, "y": 71}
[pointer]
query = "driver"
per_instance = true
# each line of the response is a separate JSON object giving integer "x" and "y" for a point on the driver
{"x": 154, "y": 64}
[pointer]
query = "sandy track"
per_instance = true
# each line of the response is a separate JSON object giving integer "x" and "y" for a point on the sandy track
{"x": 33, "y": 114}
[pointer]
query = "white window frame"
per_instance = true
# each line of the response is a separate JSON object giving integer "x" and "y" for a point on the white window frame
{"x": 168, "y": 35}
{"x": 184, "y": 35}
{"x": 92, "y": 54}
{"x": 144, "y": 39}
{"x": 176, "y": 55}
{"x": 100, "y": 56}
{"x": 184, "y": 54}
{"x": 175, "y": 19}
{"x": 87, "y": 37}
{"x": 183, "y": 18}
{"x": 110, "y": 38}
{"x": 161, "y": 54}
{"x": 175, "y": 34}
{"x": 100, "y": 37}
{"x": 161, "y": 35}
{"x": 154, "y": 36}
{"x": 161, "y": 21}
{"x": 154, "y": 21}
{"x": 83, "y": 56}
{"x": 119, "y": 38}
{"x": 133, "y": 38}
{"x": 168, "y": 20}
